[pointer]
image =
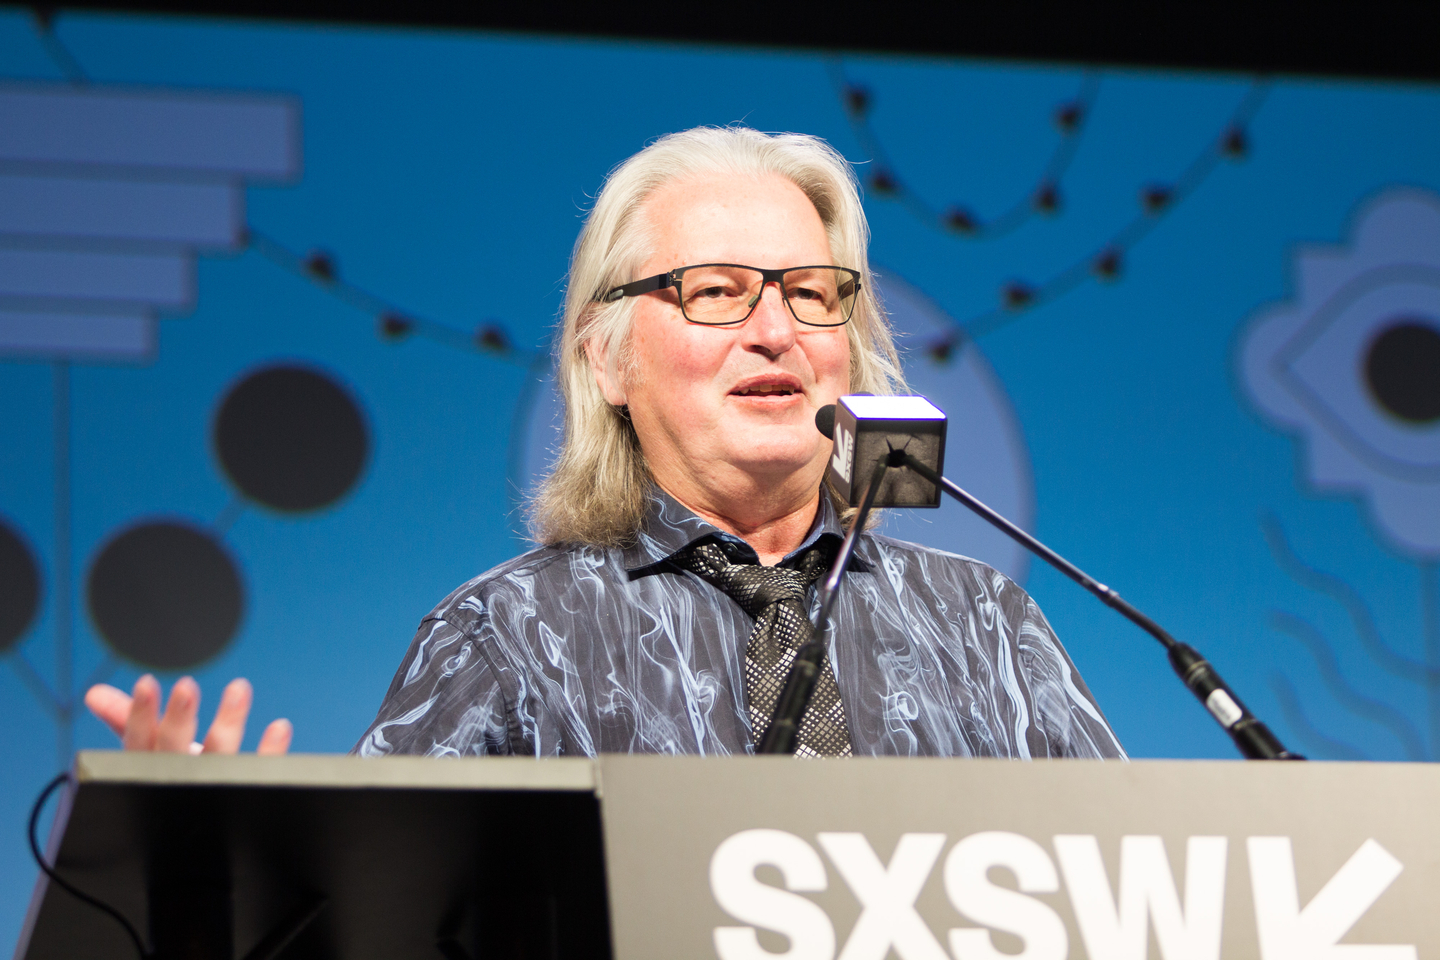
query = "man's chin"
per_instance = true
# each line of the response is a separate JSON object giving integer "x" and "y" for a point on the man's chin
{"x": 777, "y": 463}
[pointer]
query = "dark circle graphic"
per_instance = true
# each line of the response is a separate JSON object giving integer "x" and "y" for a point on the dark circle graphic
{"x": 1402, "y": 369}
{"x": 19, "y": 587}
{"x": 291, "y": 438}
{"x": 165, "y": 595}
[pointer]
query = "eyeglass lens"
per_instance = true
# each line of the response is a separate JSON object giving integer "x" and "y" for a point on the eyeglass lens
{"x": 818, "y": 296}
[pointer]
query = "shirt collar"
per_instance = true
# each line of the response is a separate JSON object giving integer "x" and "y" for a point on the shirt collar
{"x": 670, "y": 527}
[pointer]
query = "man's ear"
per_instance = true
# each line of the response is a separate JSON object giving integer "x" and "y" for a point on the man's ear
{"x": 607, "y": 375}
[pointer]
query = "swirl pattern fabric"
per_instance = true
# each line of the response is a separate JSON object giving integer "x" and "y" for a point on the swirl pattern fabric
{"x": 775, "y": 597}
{"x": 578, "y": 650}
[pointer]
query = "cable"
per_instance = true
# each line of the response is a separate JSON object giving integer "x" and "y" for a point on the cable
{"x": 65, "y": 884}
{"x": 43, "y": 19}
{"x": 1380, "y": 653}
{"x": 1333, "y": 676}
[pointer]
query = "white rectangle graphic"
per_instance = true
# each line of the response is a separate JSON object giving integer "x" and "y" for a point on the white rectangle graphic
{"x": 200, "y": 214}
{"x": 159, "y": 280}
{"x": 247, "y": 136}
{"x": 70, "y": 336}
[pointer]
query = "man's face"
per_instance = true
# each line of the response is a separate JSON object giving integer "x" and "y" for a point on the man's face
{"x": 717, "y": 408}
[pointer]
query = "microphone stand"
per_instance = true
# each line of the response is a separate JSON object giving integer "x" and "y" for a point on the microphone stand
{"x": 794, "y": 699}
{"x": 1251, "y": 737}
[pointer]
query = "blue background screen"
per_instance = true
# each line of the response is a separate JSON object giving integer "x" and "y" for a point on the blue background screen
{"x": 1186, "y": 327}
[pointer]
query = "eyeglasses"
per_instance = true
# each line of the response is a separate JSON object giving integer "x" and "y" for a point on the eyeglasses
{"x": 721, "y": 294}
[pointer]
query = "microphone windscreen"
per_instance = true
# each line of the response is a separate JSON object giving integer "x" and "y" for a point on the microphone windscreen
{"x": 866, "y": 429}
{"x": 825, "y": 420}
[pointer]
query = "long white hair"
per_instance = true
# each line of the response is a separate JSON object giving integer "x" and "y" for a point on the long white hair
{"x": 597, "y": 490}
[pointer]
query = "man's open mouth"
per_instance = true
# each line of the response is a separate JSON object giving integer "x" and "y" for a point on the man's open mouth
{"x": 765, "y": 390}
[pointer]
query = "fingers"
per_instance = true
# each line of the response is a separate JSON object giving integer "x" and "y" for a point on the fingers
{"x": 144, "y": 718}
{"x": 228, "y": 728}
{"x": 276, "y": 738}
{"x": 136, "y": 718}
{"x": 110, "y": 706}
{"x": 176, "y": 730}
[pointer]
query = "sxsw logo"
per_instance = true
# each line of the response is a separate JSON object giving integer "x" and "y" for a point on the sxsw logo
{"x": 1113, "y": 924}
{"x": 844, "y": 452}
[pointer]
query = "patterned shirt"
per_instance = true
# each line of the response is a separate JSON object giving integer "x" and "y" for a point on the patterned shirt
{"x": 579, "y": 650}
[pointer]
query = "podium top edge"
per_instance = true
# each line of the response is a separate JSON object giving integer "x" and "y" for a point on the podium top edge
{"x": 564, "y": 774}
{"x": 336, "y": 771}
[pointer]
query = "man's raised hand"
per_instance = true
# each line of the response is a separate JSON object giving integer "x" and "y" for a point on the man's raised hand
{"x": 137, "y": 721}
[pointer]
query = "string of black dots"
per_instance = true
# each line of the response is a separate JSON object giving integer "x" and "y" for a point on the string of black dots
{"x": 1107, "y": 262}
{"x": 392, "y": 323}
{"x": 957, "y": 220}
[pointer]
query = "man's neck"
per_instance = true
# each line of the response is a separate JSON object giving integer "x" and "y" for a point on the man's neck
{"x": 771, "y": 535}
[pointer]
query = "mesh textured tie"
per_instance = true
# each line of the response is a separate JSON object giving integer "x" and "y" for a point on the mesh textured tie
{"x": 775, "y": 597}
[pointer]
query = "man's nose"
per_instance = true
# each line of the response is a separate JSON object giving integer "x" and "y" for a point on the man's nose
{"x": 771, "y": 328}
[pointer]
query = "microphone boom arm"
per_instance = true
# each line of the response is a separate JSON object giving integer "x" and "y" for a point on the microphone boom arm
{"x": 1252, "y": 738}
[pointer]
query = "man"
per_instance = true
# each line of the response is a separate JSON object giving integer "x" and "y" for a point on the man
{"x": 719, "y": 296}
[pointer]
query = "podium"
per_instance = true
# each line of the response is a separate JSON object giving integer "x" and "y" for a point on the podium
{"x": 272, "y": 858}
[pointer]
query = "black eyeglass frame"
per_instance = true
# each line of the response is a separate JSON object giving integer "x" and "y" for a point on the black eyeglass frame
{"x": 674, "y": 278}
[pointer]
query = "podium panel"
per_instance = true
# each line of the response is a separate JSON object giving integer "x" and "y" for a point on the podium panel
{"x": 214, "y": 857}
{"x": 1278, "y": 861}
{"x": 274, "y": 858}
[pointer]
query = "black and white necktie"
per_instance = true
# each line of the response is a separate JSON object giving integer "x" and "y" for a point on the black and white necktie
{"x": 775, "y": 597}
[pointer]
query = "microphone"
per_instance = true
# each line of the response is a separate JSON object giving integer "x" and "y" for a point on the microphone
{"x": 825, "y": 416}
{"x": 868, "y": 430}
{"x": 899, "y": 442}
{"x": 825, "y": 421}
{"x": 890, "y": 432}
